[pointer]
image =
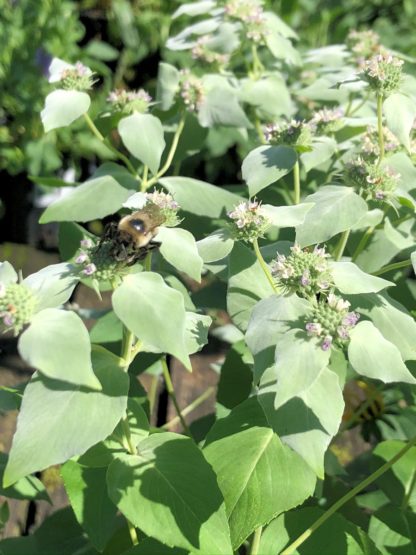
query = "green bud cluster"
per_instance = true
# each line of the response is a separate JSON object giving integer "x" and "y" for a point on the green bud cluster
{"x": 17, "y": 306}
{"x": 383, "y": 72}
{"x": 373, "y": 181}
{"x": 248, "y": 223}
{"x": 297, "y": 134}
{"x": 305, "y": 272}
{"x": 130, "y": 101}
{"x": 77, "y": 78}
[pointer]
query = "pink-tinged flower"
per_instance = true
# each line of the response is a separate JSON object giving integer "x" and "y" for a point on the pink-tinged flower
{"x": 343, "y": 333}
{"x": 323, "y": 284}
{"x": 90, "y": 269}
{"x": 8, "y": 319}
{"x": 2, "y": 290}
{"x": 350, "y": 319}
{"x": 81, "y": 258}
{"x": 313, "y": 328}
{"x": 305, "y": 280}
{"x": 86, "y": 243}
{"x": 327, "y": 343}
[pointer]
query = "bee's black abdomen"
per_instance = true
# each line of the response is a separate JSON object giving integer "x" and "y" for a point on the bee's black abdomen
{"x": 137, "y": 224}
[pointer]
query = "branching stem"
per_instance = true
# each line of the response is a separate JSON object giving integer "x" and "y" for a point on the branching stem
{"x": 171, "y": 392}
{"x": 264, "y": 266}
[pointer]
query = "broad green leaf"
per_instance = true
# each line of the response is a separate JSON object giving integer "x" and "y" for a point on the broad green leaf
{"x": 196, "y": 331}
{"x": 185, "y": 40}
{"x": 234, "y": 370}
{"x": 58, "y": 345}
{"x": 142, "y": 135}
{"x": 107, "y": 329}
{"x": 397, "y": 482}
{"x": 215, "y": 246}
{"x": 392, "y": 530}
{"x": 149, "y": 546}
{"x": 59, "y": 533}
{"x": 265, "y": 165}
{"x": 263, "y": 92}
{"x": 52, "y": 285}
{"x": 87, "y": 492}
{"x": 371, "y": 355}
{"x": 167, "y": 85}
{"x": 220, "y": 106}
{"x": 92, "y": 200}
{"x": 26, "y": 488}
{"x": 322, "y": 150}
{"x": 164, "y": 324}
{"x": 402, "y": 165}
{"x": 392, "y": 320}
{"x": 400, "y": 112}
{"x": 178, "y": 247}
{"x": 270, "y": 319}
{"x": 7, "y": 273}
{"x": 63, "y": 107}
{"x": 286, "y": 216}
{"x": 120, "y": 174}
{"x": 247, "y": 285}
{"x": 51, "y": 426}
{"x": 335, "y": 536}
{"x": 194, "y": 8}
{"x": 350, "y": 279}
{"x": 308, "y": 421}
{"x": 277, "y": 41}
{"x": 336, "y": 209}
{"x": 259, "y": 487}
{"x": 200, "y": 198}
{"x": 170, "y": 492}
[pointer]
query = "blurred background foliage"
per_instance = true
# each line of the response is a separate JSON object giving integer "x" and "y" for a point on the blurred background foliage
{"x": 122, "y": 41}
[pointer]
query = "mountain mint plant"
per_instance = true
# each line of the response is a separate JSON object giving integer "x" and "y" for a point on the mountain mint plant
{"x": 300, "y": 265}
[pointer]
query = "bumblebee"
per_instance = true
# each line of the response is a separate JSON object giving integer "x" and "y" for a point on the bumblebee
{"x": 133, "y": 236}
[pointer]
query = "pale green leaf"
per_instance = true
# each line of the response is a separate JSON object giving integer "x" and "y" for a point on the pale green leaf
{"x": 92, "y": 200}
{"x": 322, "y": 150}
{"x": 7, "y": 273}
{"x": 52, "y": 285}
{"x": 58, "y": 345}
{"x": 167, "y": 85}
{"x": 371, "y": 355}
{"x": 63, "y": 107}
{"x": 266, "y": 164}
{"x": 196, "y": 331}
{"x": 400, "y": 112}
{"x": 350, "y": 279}
{"x": 142, "y": 135}
{"x": 51, "y": 424}
{"x": 178, "y": 247}
{"x": 336, "y": 209}
{"x": 164, "y": 325}
{"x": 215, "y": 246}
{"x": 286, "y": 216}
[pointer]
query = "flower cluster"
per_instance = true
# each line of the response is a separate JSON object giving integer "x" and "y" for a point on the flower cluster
{"x": 167, "y": 205}
{"x": 304, "y": 272}
{"x": 191, "y": 91}
{"x": 370, "y": 144}
{"x": 77, "y": 77}
{"x": 202, "y": 52}
{"x": 376, "y": 182}
{"x": 96, "y": 261}
{"x": 248, "y": 221}
{"x": 327, "y": 121}
{"x": 294, "y": 133}
{"x": 331, "y": 321}
{"x": 383, "y": 72}
{"x": 17, "y": 306}
{"x": 363, "y": 44}
{"x": 130, "y": 101}
{"x": 251, "y": 14}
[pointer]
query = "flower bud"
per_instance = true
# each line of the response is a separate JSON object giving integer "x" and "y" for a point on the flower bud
{"x": 371, "y": 180}
{"x": 130, "y": 101}
{"x": 191, "y": 91}
{"x": 248, "y": 221}
{"x": 383, "y": 72}
{"x": 17, "y": 306}
{"x": 296, "y": 134}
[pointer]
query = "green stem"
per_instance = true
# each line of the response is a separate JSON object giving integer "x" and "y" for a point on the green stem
{"x": 171, "y": 153}
{"x": 191, "y": 407}
{"x": 259, "y": 130}
{"x": 363, "y": 243}
{"x": 257, "y": 65}
{"x": 144, "y": 185}
{"x": 148, "y": 262}
{"x": 171, "y": 392}
{"x": 296, "y": 182}
{"x": 394, "y": 266}
{"x": 343, "y": 240}
{"x": 264, "y": 266}
{"x": 152, "y": 394}
{"x": 380, "y": 127}
{"x": 350, "y": 495}
{"x": 133, "y": 533}
{"x": 406, "y": 497}
{"x": 256, "y": 541}
{"x": 107, "y": 143}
